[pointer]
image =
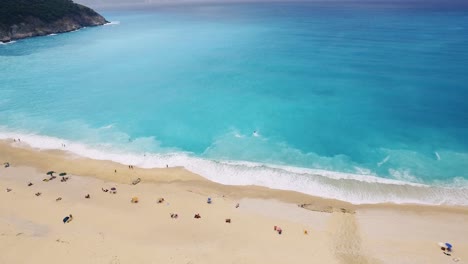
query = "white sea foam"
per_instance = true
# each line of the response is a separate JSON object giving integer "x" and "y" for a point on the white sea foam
{"x": 108, "y": 126}
{"x": 383, "y": 161}
{"x": 437, "y": 155}
{"x": 112, "y": 23}
{"x": 7, "y": 43}
{"x": 355, "y": 188}
{"x": 51, "y": 35}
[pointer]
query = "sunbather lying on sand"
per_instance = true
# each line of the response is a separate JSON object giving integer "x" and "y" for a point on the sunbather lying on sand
{"x": 135, "y": 182}
{"x": 67, "y": 219}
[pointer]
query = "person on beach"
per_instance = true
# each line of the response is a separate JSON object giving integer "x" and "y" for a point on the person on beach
{"x": 104, "y": 190}
{"x": 67, "y": 219}
{"x": 30, "y": 184}
{"x": 88, "y": 196}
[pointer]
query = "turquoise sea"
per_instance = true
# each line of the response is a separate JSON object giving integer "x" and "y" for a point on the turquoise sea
{"x": 363, "y": 103}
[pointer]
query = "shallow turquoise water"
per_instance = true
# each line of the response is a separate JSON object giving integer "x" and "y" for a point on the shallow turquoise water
{"x": 327, "y": 100}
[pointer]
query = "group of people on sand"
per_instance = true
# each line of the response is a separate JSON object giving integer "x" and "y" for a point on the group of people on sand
{"x": 113, "y": 190}
{"x": 174, "y": 215}
{"x": 278, "y": 229}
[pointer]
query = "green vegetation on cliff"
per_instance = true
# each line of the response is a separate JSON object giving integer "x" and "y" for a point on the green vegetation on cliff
{"x": 16, "y": 11}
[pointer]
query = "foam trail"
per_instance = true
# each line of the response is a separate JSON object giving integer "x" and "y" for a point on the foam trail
{"x": 437, "y": 155}
{"x": 108, "y": 126}
{"x": 112, "y": 23}
{"x": 383, "y": 161}
{"x": 354, "y": 188}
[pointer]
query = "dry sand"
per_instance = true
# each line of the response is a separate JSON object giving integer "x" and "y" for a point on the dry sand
{"x": 107, "y": 228}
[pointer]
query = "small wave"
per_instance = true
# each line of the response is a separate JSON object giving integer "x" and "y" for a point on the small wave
{"x": 437, "y": 155}
{"x": 354, "y": 188}
{"x": 404, "y": 175}
{"x": 383, "y": 161}
{"x": 53, "y": 34}
{"x": 7, "y": 43}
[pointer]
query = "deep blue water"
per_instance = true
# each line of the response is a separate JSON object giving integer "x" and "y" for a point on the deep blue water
{"x": 321, "y": 99}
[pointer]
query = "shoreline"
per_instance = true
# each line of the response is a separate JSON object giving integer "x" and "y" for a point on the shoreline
{"x": 60, "y": 160}
{"x": 107, "y": 228}
{"x": 352, "y": 188}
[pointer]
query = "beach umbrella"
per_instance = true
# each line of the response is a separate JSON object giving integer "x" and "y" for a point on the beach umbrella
{"x": 63, "y": 174}
{"x": 448, "y": 245}
{"x": 113, "y": 189}
{"x": 50, "y": 173}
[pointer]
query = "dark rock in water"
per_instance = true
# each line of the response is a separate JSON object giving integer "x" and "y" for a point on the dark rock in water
{"x": 28, "y": 18}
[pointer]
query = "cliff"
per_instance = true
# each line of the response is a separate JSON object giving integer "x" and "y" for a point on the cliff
{"x": 28, "y": 18}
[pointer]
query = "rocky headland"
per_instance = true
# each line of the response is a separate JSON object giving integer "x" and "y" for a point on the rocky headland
{"x": 29, "y": 18}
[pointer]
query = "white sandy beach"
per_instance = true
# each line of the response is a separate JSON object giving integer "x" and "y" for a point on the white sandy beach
{"x": 107, "y": 228}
